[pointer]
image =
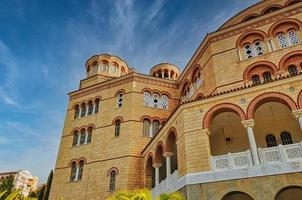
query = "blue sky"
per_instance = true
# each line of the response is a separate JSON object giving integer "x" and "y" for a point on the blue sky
{"x": 44, "y": 45}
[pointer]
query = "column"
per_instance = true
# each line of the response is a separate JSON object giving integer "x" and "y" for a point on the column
{"x": 249, "y": 124}
{"x": 169, "y": 74}
{"x": 93, "y": 110}
{"x": 298, "y": 116}
{"x": 168, "y": 156}
{"x": 157, "y": 166}
{"x": 77, "y": 174}
{"x": 162, "y": 74}
{"x": 80, "y": 111}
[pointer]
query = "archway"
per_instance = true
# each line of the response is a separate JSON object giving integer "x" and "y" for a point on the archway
{"x": 237, "y": 196}
{"x": 149, "y": 174}
{"x": 290, "y": 193}
{"x": 272, "y": 119}
{"x": 160, "y": 159}
{"x": 171, "y": 147}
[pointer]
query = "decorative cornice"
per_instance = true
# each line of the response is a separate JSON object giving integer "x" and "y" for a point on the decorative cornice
{"x": 248, "y": 123}
{"x": 121, "y": 81}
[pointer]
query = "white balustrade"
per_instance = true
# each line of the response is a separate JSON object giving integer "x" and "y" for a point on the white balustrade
{"x": 165, "y": 186}
{"x": 281, "y": 153}
{"x": 240, "y": 160}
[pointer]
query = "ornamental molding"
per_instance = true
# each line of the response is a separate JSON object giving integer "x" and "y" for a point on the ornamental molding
{"x": 217, "y": 36}
{"x": 114, "y": 83}
{"x": 248, "y": 123}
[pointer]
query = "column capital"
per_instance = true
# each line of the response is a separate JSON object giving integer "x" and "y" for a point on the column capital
{"x": 168, "y": 154}
{"x": 206, "y": 131}
{"x": 156, "y": 165}
{"x": 248, "y": 123}
{"x": 297, "y": 113}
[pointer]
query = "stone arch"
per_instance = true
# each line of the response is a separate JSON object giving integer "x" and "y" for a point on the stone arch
{"x": 71, "y": 161}
{"x": 270, "y": 97}
{"x": 185, "y": 86}
{"x": 258, "y": 68}
{"x": 82, "y": 159}
{"x": 250, "y": 17}
{"x": 299, "y": 99}
{"x": 224, "y": 107}
{"x": 119, "y": 91}
{"x": 292, "y": 2}
{"x": 294, "y": 57}
{"x": 159, "y": 151}
{"x": 117, "y": 118}
{"x": 271, "y": 8}
{"x": 294, "y": 190}
{"x": 195, "y": 72}
{"x": 199, "y": 96}
{"x": 283, "y": 26}
{"x": 250, "y": 37}
{"x": 149, "y": 172}
{"x": 113, "y": 169}
{"x": 171, "y": 137}
{"x": 237, "y": 195}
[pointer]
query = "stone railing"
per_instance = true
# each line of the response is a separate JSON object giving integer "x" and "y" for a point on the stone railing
{"x": 281, "y": 153}
{"x": 240, "y": 160}
{"x": 166, "y": 185}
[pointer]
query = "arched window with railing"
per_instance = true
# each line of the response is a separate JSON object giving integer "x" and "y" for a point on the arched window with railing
{"x": 96, "y": 105}
{"x": 73, "y": 174}
{"x": 146, "y": 127}
{"x": 256, "y": 79}
{"x": 80, "y": 171}
{"x": 155, "y": 127}
{"x": 89, "y": 135}
{"x": 90, "y": 108}
{"x": 286, "y": 138}
{"x": 271, "y": 140}
{"x": 76, "y": 112}
{"x": 267, "y": 77}
{"x": 83, "y": 109}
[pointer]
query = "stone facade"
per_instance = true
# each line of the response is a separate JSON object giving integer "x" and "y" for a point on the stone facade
{"x": 227, "y": 127}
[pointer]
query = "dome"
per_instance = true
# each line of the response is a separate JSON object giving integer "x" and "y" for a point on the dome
{"x": 165, "y": 70}
{"x": 106, "y": 65}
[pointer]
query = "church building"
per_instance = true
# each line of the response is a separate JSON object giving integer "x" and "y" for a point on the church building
{"x": 226, "y": 127}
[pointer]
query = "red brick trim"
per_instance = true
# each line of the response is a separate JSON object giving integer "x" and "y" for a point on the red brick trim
{"x": 224, "y": 107}
{"x": 253, "y": 32}
{"x": 156, "y": 159}
{"x": 287, "y": 20}
{"x": 73, "y": 160}
{"x": 271, "y": 6}
{"x": 119, "y": 91}
{"x": 287, "y": 56}
{"x": 173, "y": 131}
{"x": 113, "y": 169}
{"x": 246, "y": 73}
{"x": 291, "y": 1}
{"x": 270, "y": 97}
{"x": 299, "y": 99}
{"x": 116, "y": 118}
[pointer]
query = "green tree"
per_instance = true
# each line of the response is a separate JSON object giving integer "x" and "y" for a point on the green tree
{"x": 42, "y": 193}
{"x": 48, "y": 186}
{"x": 7, "y": 185}
{"x": 145, "y": 194}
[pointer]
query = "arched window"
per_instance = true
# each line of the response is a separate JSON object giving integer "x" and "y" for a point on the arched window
{"x": 155, "y": 127}
{"x": 76, "y": 112}
{"x": 96, "y": 105}
{"x": 248, "y": 51}
{"x": 155, "y": 100}
{"x": 147, "y": 98}
{"x": 271, "y": 140}
{"x": 292, "y": 70}
{"x": 73, "y": 174}
{"x": 146, "y": 127}
{"x": 256, "y": 79}
{"x": 83, "y": 109}
{"x": 258, "y": 48}
{"x": 120, "y": 100}
{"x": 164, "y": 101}
{"x": 112, "y": 180}
{"x": 114, "y": 69}
{"x": 286, "y": 138}
{"x": 75, "y": 138}
{"x": 293, "y": 38}
{"x": 90, "y": 108}
{"x": 83, "y": 136}
{"x": 89, "y": 135}
{"x": 117, "y": 128}
{"x": 267, "y": 76}
{"x": 282, "y": 40}
{"x": 80, "y": 171}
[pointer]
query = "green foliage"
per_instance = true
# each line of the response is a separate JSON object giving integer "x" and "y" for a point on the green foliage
{"x": 49, "y": 181}
{"x": 7, "y": 185}
{"x": 145, "y": 194}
